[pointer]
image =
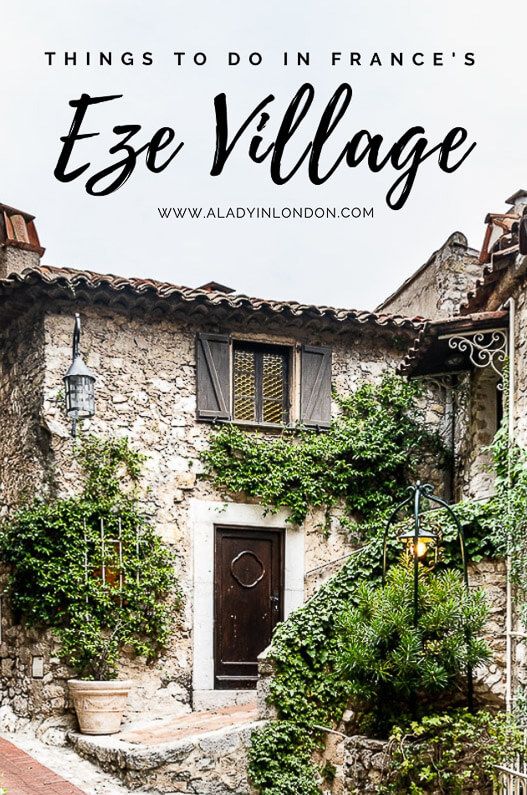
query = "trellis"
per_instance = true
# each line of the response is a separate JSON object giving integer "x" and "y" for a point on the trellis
{"x": 511, "y": 781}
{"x": 105, "y": 542}
{"x": 512, "y": 778}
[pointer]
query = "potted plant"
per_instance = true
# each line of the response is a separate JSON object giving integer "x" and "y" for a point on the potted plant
{"x": 100, "y": 698}
{"x": 93, "y": 570}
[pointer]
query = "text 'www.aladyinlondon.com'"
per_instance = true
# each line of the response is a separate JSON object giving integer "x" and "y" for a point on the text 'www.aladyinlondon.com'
{"x": 263, "y": 213}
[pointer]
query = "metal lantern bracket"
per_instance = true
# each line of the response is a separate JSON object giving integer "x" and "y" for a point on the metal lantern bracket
{"x": 76, "y": 337}
{"x": 417, "y": 493}
{"x": 487, "y": 348}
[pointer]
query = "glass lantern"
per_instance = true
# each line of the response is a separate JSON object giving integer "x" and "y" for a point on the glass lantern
{"x": 79, "y": 384}
{"x": 424, "y": 539}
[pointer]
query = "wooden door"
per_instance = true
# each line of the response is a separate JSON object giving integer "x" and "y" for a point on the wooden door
{"x": 248, "y": 601}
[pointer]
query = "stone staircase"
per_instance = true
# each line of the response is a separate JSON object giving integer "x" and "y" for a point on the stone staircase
{"x": 203, "y": 753}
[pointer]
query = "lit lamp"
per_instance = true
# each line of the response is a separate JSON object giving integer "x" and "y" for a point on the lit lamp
{"x": 79, "y": 382}
{"x": 417, "y": 542}
{"x": 423, "y": 542}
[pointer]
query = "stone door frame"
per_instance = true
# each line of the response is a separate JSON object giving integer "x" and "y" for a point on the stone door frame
{"x": 204, "y": 516}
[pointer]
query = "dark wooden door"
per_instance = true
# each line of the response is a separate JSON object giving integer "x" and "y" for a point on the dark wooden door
{"x": 248, "y": 601}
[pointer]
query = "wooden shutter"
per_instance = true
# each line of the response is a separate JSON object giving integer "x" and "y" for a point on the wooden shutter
{"x": 213, "y": 377}
{"x": 315, "y": 390}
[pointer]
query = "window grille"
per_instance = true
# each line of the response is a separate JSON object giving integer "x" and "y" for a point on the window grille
{"x": 261, "y": 384}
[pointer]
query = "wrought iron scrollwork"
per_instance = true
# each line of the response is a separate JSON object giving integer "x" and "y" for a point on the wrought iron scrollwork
{"x": 485, "y": 349}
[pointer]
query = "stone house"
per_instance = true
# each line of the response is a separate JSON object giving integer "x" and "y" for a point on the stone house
{"x": 170, "y": 363}
{"x": 464, "y": 346}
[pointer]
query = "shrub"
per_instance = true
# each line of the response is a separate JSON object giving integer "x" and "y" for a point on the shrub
{"x": 391, "y": 665}
{"x": 47, "y": 545}
{"x": 452, "y": 753}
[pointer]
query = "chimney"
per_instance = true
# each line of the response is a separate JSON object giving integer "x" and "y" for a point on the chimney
{"x": 19, "y": 244}
{"x": 518, "y": 201}
{"x": 216, "y": 287}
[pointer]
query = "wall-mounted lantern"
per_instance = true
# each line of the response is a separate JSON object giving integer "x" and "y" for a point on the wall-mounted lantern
{"x": 80, "y": 384}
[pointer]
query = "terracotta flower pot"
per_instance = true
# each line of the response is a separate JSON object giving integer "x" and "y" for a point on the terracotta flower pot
{"x": 99, "y": 705}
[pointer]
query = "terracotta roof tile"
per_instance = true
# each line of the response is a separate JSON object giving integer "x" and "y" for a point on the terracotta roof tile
{"x": 72, "y": 278}
{"x": 431, "y": 330}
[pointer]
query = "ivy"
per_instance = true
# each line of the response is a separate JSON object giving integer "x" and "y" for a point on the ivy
{"x": 46, "y": 545}
{"x": 280, "y": 760}
{"x": 451, "y": 752}
{"x": 364, "y": 462}
{"x": 371, "y": 450}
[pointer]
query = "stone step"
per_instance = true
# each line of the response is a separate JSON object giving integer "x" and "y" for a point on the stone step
{"x": 204, "y": 753}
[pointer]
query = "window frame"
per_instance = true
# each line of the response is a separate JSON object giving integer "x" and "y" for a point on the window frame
{"x": 261, "y": 348}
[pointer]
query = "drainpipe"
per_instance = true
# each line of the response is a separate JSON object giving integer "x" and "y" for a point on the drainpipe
{"x": 450, "y": 411}
{"x": 510, "y": 419}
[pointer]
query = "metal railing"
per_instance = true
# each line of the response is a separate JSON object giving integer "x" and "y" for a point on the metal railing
{"x": 512, "y": 777}
{"x": 511, "y": 781}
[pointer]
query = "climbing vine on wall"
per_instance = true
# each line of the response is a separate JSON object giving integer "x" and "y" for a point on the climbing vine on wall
{"x": 364, "y": 462}
{"x": 56, "y": 557}
{"x": 371, "y": 450}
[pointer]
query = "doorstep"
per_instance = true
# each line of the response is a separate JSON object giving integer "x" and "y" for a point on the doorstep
{"x": 217, "y": 699}
{"x": 203, "y": 752}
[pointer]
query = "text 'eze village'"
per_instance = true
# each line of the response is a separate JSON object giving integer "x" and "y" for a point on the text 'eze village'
{"x": 174, "y": 364}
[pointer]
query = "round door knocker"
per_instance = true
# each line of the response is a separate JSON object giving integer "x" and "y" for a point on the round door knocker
{"x": 244, "y": 554}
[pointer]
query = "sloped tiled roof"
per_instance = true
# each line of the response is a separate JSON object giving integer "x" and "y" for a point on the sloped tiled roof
{"x": 429, "y": 353}
{"x": 498, "y": 252}
{"x": 70, "y": 280}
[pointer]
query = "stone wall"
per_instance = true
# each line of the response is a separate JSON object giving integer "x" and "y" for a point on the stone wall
{"x": 145, "y": 390}
{"x": 440, "y": 286}
{"x": 24, "y": 443}
{"x": 32, "y": 676}
{"x": 477, "y": 420}
{"x": 489, "y": 679}
{"x": 365, "y": 764}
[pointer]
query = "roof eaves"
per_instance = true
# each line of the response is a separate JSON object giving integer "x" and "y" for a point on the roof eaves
{"x": 69, "y": 279}
{"x": 465, "y": 324}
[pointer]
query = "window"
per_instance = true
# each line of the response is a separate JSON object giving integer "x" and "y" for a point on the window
{"x": 260, "y": 383}
{"x": 243, "y": 381}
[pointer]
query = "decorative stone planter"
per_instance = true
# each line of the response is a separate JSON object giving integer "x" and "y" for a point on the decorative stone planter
{"x": 99, "y": 705}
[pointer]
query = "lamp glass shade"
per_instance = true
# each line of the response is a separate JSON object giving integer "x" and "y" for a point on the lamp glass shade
{"x": 423, "y": 541}
{"x": 80, "y": 390}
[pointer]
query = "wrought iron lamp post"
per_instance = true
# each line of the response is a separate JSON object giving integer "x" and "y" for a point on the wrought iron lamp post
{"x": 417, "y": 541}
{"x": 79, "y": 382}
